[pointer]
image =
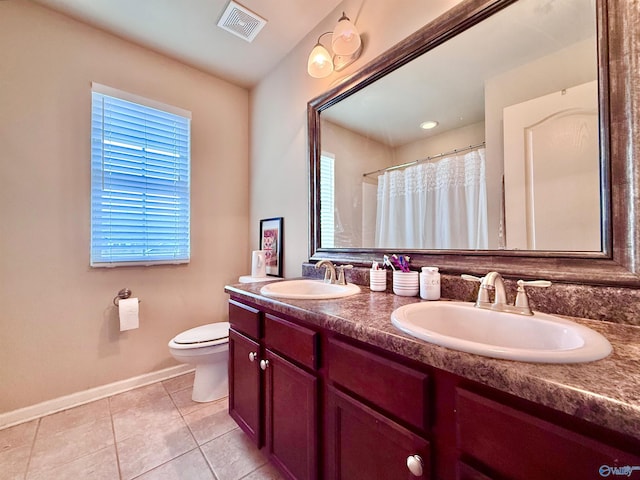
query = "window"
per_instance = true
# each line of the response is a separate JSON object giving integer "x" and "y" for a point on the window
{"x": 327, "y": 200}
{"x": 140, "y": 176}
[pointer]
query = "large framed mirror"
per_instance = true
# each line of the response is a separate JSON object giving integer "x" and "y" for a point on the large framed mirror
{"x": 530, "y": 168}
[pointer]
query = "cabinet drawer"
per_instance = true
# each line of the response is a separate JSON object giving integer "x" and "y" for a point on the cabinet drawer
{"x": 517, "y": 445}
{"x": 244, "y": 319}
{"x": 395, "y": 388}
{"x": 293, "y": 341}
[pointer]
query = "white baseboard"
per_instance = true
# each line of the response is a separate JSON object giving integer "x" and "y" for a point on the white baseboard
{"x": 25, "y": 414}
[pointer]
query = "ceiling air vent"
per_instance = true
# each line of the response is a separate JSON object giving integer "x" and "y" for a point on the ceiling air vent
{"x": 241, "y": 22}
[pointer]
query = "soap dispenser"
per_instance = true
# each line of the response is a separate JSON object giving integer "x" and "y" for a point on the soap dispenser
{"x": 430, "y": 283}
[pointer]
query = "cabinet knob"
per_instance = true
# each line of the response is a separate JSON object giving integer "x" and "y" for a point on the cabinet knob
{"x": 252, "y": 356}
{"x": 264, "y": 364}
{"x": 414, "y": 464}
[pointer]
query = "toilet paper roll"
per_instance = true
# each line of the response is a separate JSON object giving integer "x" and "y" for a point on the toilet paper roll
{"x": 128, "y": 311}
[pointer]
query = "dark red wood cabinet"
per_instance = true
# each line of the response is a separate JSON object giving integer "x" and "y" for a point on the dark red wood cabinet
{"x": 291, "y": 417}
{"x": 245, "y": 385}
{"x": 514, "y": 444}
{"x": 273, "y": 388}
{"x": 376, "y": 416}
{"x": 328, "y": 407}
{"x": 364, "y": 444}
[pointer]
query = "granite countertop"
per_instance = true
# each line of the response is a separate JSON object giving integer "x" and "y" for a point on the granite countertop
{"x": 605, "y": 392}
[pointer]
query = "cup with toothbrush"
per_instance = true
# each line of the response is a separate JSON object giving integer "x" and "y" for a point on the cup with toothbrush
{"x": 377, "y": 278}
{"x": 406, "y": 283}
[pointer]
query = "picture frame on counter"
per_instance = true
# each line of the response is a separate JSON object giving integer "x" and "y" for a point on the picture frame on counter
{"x": 271, "y": 243}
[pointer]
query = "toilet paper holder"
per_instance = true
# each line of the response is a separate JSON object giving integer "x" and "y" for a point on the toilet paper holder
{"x": 122, "y": 294}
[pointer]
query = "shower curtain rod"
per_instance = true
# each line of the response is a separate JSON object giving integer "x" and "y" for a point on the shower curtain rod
{"x": 439, "y": 155}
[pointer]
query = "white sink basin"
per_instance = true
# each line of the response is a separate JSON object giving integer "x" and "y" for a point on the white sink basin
{"x": 538, "y": 338}
{"x": 308, "y": 290}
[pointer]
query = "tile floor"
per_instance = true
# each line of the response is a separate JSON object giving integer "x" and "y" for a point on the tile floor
{"x": 154, "y": 432}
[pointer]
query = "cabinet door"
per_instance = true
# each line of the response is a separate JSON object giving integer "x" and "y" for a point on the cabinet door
{"x": 244, "y": 385}
{"x": 291, "y": 409}
{"x": 362, "y": 444}
{"x": 513, "y": 444}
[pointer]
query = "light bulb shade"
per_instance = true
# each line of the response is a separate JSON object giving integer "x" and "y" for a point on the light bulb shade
{"x": 320, "y": 64}
{"x": 345, "y": 39}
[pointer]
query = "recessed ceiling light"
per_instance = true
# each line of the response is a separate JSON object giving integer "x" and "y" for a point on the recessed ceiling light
{"x": 429, "y": 124}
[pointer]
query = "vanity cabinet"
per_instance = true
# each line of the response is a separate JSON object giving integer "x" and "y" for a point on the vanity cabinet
{"x": 376, "y": 416}
{"x": 291, "y": 397}
{"x": 361, "y": 443}
{"x": 245, "y": 380}
{"x": 273, "y": 387}
{"x": 245, "y": 385}
{"x": 326, "y": 406}
{"x": 511, "y": 443}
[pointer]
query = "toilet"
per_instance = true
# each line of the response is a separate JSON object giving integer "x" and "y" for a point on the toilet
{"x": 206, "y": 347}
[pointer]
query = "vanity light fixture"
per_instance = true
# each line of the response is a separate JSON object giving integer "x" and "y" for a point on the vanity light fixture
{"x": 428, "y": 125}
{"x": 346, "y": 47}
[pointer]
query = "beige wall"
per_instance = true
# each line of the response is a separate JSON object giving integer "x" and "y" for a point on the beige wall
{"x": 59, "y": 329}
{"x": 278, "y": 153}
{"x": 354, "y": 156}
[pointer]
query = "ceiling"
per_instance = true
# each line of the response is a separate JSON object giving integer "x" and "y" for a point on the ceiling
{"x": 447, "y": 84}
{"x": 187, "y": 30}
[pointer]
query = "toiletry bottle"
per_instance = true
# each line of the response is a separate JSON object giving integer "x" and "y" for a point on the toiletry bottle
{"x": 430, "y": 283}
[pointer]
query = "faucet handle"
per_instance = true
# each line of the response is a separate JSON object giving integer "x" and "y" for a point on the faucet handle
{"x": 534, "y": 283}
{"x": 522, "y": 299}
{"x": 471, "y": 278}
{"x": 341, "y": 268}
{"x": 483, "y": 292}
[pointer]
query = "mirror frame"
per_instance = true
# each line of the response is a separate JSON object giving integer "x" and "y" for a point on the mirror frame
{"x": 618, "y": 25}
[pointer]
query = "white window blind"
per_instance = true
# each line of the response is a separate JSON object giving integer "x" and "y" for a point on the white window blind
{"x": 140, "y": 180}
{"x": 327, "y": 200}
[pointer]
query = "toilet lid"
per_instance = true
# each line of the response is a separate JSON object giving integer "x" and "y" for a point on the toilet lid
{"x": 204, "y": 333}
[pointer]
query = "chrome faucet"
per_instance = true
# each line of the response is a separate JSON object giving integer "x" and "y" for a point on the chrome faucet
{"x": 494, "y": 281}
{"x": 330, "y": 272}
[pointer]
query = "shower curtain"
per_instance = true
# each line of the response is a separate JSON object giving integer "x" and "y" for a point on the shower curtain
{"x": 434, "y": 205}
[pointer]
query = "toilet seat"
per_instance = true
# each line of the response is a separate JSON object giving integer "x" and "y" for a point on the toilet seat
{"x": 207, "y": 348}
{"x": 202, "y": 336}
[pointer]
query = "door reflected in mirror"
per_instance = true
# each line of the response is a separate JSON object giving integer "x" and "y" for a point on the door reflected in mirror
{"x": 513, "y": 162}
